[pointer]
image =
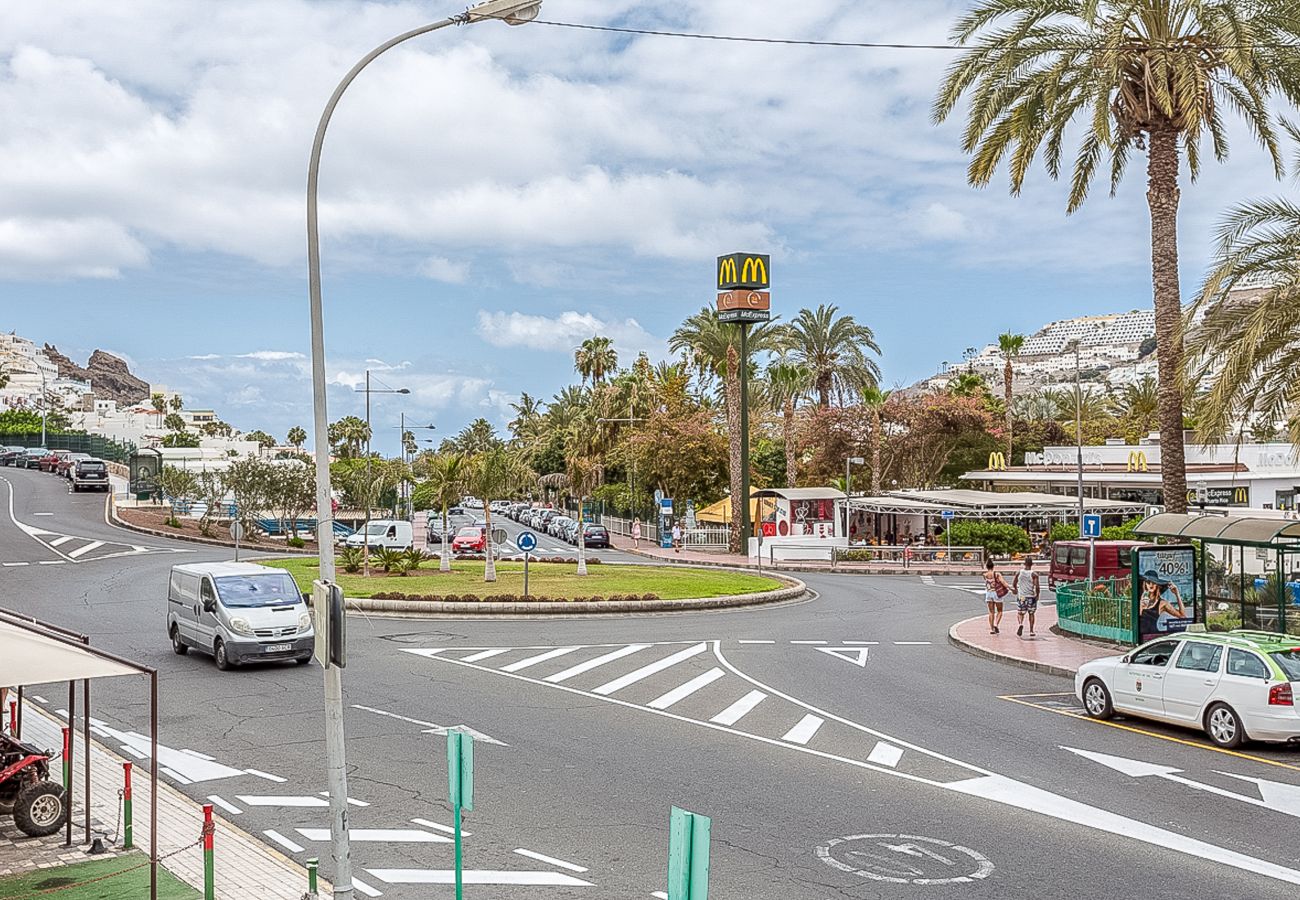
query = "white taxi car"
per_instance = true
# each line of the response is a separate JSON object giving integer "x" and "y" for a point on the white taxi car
{"x": 1236, "y": 686}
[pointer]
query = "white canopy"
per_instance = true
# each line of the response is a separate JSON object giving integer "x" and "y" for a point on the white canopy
{"x": 29, "y": 656}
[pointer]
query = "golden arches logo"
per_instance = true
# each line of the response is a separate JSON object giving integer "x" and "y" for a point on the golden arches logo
{"x": 1137, "y": 462}
{"x": 997, "y": 462}
{"x": 755, "y": 270}
{"x": 1241, "y": 495}
{"x": 748, "y": 271}
{"x": 727, "y": 271}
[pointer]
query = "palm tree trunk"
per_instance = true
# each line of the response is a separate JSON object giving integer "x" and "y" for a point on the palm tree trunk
{"x": 823, "y": 391}
{"x": 582, "y": 541}
{"x": 733, "y": 446}
{"x": 787, "y": 425}
{"x": 490, "y": 562}
{"x": 1006, "y": 385}
{"x": 1162, "y": 197}
{"x": 877, "y": 439}
{"x": 444, "y": 563}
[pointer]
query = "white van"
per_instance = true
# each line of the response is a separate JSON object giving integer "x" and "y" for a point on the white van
{"x": 238, "y": 612}
{"x": 392, "y": 534}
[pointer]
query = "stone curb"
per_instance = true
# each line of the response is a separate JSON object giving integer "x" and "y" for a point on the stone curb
{"x": 420, "y": 609}
{"x": 1007, "y": 658}
{"x": 806, "y": 570}
{"x": 196, "y": 539}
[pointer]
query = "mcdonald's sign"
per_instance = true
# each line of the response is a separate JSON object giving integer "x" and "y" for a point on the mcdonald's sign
{"x": 997, "y": 462}
{"x": 752, "y": 271}
{"x": 1137, "y": 462}
{"x": 1238, "y": 495}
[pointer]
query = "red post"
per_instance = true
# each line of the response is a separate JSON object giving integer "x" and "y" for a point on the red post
{"x": 67, "y": 761}
{"x": 209, "y": 879}
{"x": 128, "y": 829}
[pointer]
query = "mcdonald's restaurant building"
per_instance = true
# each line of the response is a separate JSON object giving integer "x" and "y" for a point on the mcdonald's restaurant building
{"x": 1220, "y": 477}
{"x": 1260, "y": 476}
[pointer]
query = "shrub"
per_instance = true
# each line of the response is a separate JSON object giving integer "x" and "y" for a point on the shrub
{"x": 351, "y": 559}
{"x": 296, "y": 542}
{"x": 510, "y": 598}
{"x": 413, "y": 559}
{"x": 395, "y": 562}
{"x": 1069, "y": 531}
{"x": 997, "y": 538}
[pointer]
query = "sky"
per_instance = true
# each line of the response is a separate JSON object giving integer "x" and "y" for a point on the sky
{"x": 492, "y": 196}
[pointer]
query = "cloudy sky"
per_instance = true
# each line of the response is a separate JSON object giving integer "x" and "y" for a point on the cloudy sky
{"x": 491, "y": 196}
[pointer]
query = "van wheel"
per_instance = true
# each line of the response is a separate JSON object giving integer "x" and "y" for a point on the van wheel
{"x": 1224, "y": 726}
{"x": 178, "y": 646}
{"x": 219, "y": 653}
{"x": 303, "y": 660}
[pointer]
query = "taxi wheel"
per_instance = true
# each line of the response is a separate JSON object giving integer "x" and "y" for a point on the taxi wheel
{"x": 1096, "y": 699}
{"x": 1224, "y": 726}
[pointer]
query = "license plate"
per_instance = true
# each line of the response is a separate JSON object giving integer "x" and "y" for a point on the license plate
{"x": 278, "y": 648}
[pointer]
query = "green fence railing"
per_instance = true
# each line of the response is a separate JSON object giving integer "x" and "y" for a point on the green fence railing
{"x": 1100, "y": 609}
{"x": 97, "y": 446}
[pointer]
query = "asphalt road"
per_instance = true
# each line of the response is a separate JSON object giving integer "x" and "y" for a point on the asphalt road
{"x": 841, "y": 746}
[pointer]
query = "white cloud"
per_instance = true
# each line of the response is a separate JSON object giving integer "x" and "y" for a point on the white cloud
{"x": 439, "y": 268}
{"x": 562, "y": 333}
{"x": 939, "y": 221}
{"x": 272, "y": 355}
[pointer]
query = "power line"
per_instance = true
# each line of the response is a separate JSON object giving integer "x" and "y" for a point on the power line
{"x": 869, "y": 45}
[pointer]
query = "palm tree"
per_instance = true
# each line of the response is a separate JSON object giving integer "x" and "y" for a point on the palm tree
{"x": 1009, "y": 345}
{"x": 159, "y": 404}
{"x": 349, "y": 434}
{"x": 595, "y": 359}
{"x": 968, "y": 384}
{"x": 787, "y": 384}
{"x": 833, "y": 348}
{"x": 1138, "y": 404}
{"x": 493, "y": 474}
{"x": 874, "y": 399}
{"x": 713, "y": 348}
{"x": 448, "y": 474}
{"x": 526, "y": 424}
{"x": 297, "y": 437}
{"x": 176, "y": 403}
{"x": 1246, "y": 348}
{"x": 1148, "y": 75}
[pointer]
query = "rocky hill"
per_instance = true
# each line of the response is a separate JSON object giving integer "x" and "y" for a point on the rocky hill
{"x": 109, "y": 376}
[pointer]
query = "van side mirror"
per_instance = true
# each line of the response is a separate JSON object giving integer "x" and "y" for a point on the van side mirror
{"x": 209, "y": 605}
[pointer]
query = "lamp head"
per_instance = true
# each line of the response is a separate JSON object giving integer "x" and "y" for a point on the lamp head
{"x": 512, "y": 12}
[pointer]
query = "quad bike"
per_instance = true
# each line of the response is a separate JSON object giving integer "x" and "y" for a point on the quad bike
{"x": 38, "y": 805}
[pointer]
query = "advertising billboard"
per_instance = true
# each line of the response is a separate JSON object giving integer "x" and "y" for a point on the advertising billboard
{"x": 1164, "y": 581}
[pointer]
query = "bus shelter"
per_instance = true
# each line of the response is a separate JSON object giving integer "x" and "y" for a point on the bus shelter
{"x": 1249, "y": 567}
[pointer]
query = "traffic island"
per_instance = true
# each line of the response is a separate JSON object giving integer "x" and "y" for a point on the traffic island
{"x": 1049, "y": 651}
{"x": 553, "y": 588}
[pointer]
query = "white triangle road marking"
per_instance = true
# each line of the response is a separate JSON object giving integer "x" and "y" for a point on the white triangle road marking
{"x": 855, "y": 655}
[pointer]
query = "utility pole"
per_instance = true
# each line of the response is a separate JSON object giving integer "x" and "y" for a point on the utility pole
{"x": 1078, "y": 430}
{"x": 745, "y": 524}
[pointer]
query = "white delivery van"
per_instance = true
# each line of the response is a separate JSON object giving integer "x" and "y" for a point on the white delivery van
{"x": 239, "y": 613}
{"x": 392, "y": 534}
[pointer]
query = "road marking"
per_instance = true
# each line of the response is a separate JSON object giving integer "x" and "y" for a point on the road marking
{"x": 188, "y": 752}
{"x": 907, "y": 859}
{"x": 174, "y": 775}
{"x": 885, "y": 754}
{"x": 1136, "y": 730}
{"x": 912, "y": 643}
{"x": 803, "y": 732}
{"x": 53, "y": 562}
{"x": 653, "y": 668}
{"x": 538, "y": 659}
{"x": 430, "y": 727}
{"x": 809, "y": 642}
{"x": 228, "y": 807}
{"x": 286, "y": 801}
{"x": 682, "y": 691}
{"x": 351, "y": 800}
{"x": 590, "y": 664}
{"x": 439, "y": 827}
{"x": 15, "y": 564}
{"x": 60, "y": 541}
{"x": 551, "y": 860}
{"x": 756, "y": 642}
{"x": 40, "y": 700}
{"x": 738, "y": 710}
{"x": 283, "y": 841}
{"x": 1277, "y": 795}
{"x": 487, "y": 654}
{"x": 43, "y": 514}
{"x": 855, "y": 655}
{"x": 82, "y": 551}
{"x": 476, "y": 876}
{"x": 359, "y": 885}
{"x": 267, "y": 775}
{"x": 660, "y": 895}
{"x": 378, "y": 835}
{"x": 927, "y": 579}
{"x": 860, "y": 643}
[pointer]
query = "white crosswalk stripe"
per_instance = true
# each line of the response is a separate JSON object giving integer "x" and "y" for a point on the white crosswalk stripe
{"x": 646, "y": 671}
{"x": 599, "y": 661}
{"x": 682, "y": 691}
{"x": 738, "y": 710}
{"x": 538, "y": 659}
{"x": 803, "y": 732}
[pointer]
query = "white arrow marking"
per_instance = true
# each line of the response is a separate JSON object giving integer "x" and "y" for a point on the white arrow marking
{"x": 1284, "y": 798}
{"x": 855, "y": 655}
{"x": 1134, "y": 767}
{"x": 432, "y": 728}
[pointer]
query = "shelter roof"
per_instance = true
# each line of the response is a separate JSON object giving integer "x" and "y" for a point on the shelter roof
{"x": 1251, "y": 531}
{"x": 800, "y": 493}
{"x": 31, "y": 655}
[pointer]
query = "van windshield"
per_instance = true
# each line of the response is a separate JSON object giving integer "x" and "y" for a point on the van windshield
{"x": 377, "y": 528}
{"x": 245, "y": 591}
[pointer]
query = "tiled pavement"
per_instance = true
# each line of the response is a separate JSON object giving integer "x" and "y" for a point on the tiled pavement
{"x": 1047, "y": 651}
{"x": 20, "y": 853}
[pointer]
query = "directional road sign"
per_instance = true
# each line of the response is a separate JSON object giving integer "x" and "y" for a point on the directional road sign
{"x": 1092, "y": 526}
{"x": 949, "y": 514}
{"x": 527, "y": 542}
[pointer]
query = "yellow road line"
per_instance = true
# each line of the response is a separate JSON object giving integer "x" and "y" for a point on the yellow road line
{"x": 1154, "y": 734}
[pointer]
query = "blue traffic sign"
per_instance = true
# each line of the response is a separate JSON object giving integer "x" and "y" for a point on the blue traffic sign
{"x": 949, "y": 514}
{"x": 1092, "y": 526}
{"x": 527, "y": 542}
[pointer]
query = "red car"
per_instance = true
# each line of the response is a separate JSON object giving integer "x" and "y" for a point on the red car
{"x": 50, "y": 461}
{"x": 470, "y": 539}
{"x": 67, "y": 461}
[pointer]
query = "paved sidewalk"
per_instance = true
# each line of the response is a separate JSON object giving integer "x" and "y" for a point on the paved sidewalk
{"x": 245, "y": 867}
{"x": 1048, "y": 651}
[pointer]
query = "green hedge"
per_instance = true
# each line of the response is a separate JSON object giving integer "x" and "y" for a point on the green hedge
{"x": 997, "y": 538}
{"x": 1069, "y": 531}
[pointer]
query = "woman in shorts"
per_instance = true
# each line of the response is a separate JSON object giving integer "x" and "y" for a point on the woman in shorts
{"x": 995, "y": 588}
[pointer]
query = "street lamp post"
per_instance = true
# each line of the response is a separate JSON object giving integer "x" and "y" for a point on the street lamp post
{"x": 513, "y": 12}
{"x": 848, "y": 493}
{"x": 368, "y": 390}
{"x": 45, "y": 403}
{"x": 410, "y": 513}
{"x": 1078, "y": 430}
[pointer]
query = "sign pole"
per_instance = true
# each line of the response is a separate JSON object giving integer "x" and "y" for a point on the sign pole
{"x": 460, "y": 863}
{"x": 744, "y": 438}
{"x": 526, "y": 558}
{"x": 460, "y": 781}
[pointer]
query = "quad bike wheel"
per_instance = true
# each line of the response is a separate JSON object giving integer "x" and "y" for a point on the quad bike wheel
{"x": 40, "y": 810}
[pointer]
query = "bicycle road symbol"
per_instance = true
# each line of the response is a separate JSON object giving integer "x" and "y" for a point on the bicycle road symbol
{"x": 905, "y": 859}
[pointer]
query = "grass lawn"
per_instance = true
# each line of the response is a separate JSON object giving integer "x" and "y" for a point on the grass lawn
{"x": 544, "y": 580}
{"x": 131, "y": 886}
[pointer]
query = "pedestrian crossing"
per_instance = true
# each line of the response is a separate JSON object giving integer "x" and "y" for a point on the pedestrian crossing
{"x": 692, "y": 681}
{"x": 72, "y": 548}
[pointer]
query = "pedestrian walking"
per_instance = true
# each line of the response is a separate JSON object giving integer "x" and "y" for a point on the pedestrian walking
{"x": 1027, "y": 589}
{"x": 636, "y": 534}
{"x": 677, "y": 538}
{"x": 995, "y": 588}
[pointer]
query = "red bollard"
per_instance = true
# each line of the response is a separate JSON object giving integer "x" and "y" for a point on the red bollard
{"x": 128, "y": 830}
{"x": 209, "y": 876}
{"x": 67, "y": 761}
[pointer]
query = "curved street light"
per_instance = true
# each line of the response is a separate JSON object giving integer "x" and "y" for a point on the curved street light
{"x": 512, "y": 12}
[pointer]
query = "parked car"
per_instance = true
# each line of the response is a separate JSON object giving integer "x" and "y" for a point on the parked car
{"x": 1235, "y": 686}
{"x": 65, "y": 464}
{"x": 556, "y": 525}
{"x": 470, "y": 539}
{"x": 50, "y": 460}
{"x": 394, "y": 534}
{"x": 595, "y": 536}
{"x": 8, "y": 455}
{"x": 570, "y": 532}
{"x": 90, "y": 474}
{"x": 1070, "y": 561}
{"x": 238, "y": 612}
{"x": 31, "y": 458}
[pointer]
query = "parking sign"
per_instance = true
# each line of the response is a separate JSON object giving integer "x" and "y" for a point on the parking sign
{"x": 1092, "y": 526}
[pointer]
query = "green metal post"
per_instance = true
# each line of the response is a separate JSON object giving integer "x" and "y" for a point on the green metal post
{"x": 67, "y": 761}
{"x": 128, "y": 830}
{"x": 313, "y": 865}
{"x": 460, "y": 874}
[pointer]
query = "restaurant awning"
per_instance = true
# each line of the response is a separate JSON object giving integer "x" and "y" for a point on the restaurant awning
{"x": 29, "y": 657}
{"x": 969, "y": 504}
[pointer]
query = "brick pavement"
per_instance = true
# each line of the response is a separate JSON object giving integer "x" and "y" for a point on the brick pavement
{"x": 1049, "y": 651}
{"x": 245, "y": 867}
